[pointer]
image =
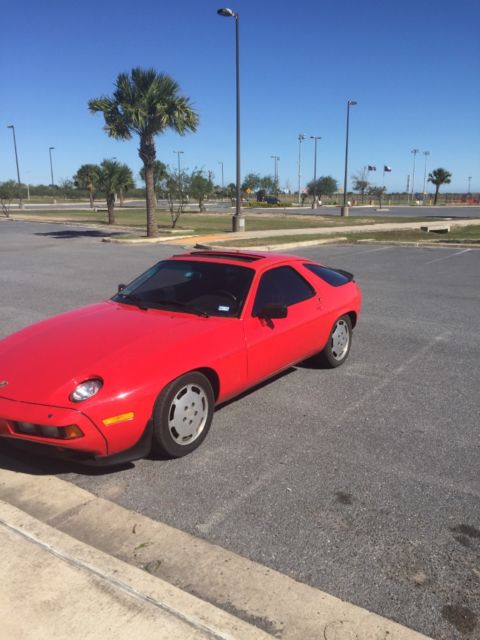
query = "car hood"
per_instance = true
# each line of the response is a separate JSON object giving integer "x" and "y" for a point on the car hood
{"x": 43, "y": 363}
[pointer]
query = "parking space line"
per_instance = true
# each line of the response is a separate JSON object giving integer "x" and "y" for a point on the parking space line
{"x": 452, "y": 255}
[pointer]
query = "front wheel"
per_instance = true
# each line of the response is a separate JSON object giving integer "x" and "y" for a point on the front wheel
{"x": 183, "y": 414}
{"x": 338, "y": 346}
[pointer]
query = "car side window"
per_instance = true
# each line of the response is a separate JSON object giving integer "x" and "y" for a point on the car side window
{"x": 282, "y": 285}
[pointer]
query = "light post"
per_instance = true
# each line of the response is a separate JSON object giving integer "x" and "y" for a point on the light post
{"x": 20, "y": 201}
{"x": 414, "y": 152}
{"x": 344, "y": 210}
{"x": 223, "y": 185}
{"x": 426, "y": 154}
{"x": 301, "y": 137}
{"x": 50, "y": 149}
{"x": 238, "y": 221}
{"x": 179, "y": 153}
{"x": 469, "y": 183}
{"x": 275, "y": 160}
{"x": 314, "y": 203}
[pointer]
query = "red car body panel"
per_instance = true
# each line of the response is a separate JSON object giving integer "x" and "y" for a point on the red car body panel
{"x": 137, "y": 352}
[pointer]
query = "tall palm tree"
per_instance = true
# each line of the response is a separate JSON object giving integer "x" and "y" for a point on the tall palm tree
{"x": 145, "y": 103}
{"x": 438, "y": 177}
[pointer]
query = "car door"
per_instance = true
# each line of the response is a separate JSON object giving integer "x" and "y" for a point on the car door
{"x": 274, "y": 344}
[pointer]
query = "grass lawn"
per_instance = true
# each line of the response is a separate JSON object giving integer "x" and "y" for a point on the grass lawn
{"x": 470, "y": 233}
{"x": 202, "y": 223}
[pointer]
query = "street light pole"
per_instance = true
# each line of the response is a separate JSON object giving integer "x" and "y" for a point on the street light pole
{"x": 20, "y": 201}
{"x": 314, "y": 203}
{"x": 223, "y": 186}
{"x": 414, "y": 151}
{"x": 179, "y": 174}
{"x": 238, "y": 221}
{"x": 178, "y": 161}
{"x": 275, "y": 160}
{"x": 50, "y": 149}
{"x": 426, "y": 154}
{"x": 344, "y": 210}
{"x": 301, "y": 137}
{"x": 469, "y": 183}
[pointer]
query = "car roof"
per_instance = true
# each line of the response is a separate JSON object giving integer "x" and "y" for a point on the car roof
{"x": 255, "y": 259}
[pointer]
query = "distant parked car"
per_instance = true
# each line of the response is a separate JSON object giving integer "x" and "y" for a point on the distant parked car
{"x": 272, "y": 200}
{"x": 108, "y": 382}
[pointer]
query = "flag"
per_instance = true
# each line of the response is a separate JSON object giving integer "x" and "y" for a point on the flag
{"x": 371, "y": 167}
{"x": 387, "y": 169}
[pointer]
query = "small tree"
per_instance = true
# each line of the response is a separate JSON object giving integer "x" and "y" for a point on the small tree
{"x": 66, "y": 187}
{"x": 268, "y": 184}
{"x": 251, "y": 182}
{"x": 9, "y": 191}
{"x": 231, "y": 190}
{"x": 438, "y": 177}
{"x": 360, "y": 184}
{"x": 110, "y": 181}
{"x": 176, "y": 190}
{"x": 87, "y": 178}
{"x": 377, "y": 192}
{"x": 324, "y": 186}
{"x": 200, "y": 186}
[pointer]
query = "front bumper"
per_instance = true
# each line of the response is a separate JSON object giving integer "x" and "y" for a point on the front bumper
{"x": 92, "y": 442}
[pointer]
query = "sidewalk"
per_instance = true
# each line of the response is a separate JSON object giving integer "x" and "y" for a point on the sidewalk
{"x": 213, "y": 238}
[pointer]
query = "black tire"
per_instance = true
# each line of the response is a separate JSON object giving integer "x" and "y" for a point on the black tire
{"x": 182, "y": 415}
{"x": 339, "y": 342}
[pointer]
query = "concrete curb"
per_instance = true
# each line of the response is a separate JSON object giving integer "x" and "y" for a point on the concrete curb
{"x": 271, "y": 247}
{"x": 260, "y": 596}
{"x": 159, "y": 240}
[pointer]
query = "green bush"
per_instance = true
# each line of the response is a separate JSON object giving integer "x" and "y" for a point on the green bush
{"x": 267, "y": 205}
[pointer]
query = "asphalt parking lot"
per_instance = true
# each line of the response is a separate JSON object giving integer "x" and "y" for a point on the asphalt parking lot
{"x": 363, "y": 481}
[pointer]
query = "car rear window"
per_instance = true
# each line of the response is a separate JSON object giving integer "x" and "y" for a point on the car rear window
{"x": 335, "y": 277}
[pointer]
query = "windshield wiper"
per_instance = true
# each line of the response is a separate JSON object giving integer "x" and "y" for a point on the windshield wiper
{"x": 182, "y": 305}
{"x": 135, "y": 299}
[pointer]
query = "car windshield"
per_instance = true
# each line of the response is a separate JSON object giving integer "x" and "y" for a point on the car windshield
{"x": 192, "y": 286}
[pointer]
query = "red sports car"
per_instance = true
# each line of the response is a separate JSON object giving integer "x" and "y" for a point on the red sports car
{"x": 106, "y": 382}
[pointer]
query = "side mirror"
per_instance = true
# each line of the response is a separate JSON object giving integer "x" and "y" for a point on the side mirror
{"x": 121, "y": 287}
{"x": 273, "y": 311}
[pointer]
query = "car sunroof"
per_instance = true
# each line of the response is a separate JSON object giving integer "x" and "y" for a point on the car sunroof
{"x": 241, "y": 257}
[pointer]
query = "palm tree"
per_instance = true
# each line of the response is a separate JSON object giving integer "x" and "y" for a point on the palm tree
{"x": 87, "y": 178}
{"x": 438, "y": 177}
{"x": 145, "y": 103}
{"x": 125, "y": 181}
{"x": 111, "y": 179}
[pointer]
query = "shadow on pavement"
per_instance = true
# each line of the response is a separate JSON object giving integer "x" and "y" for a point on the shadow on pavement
{"x": 24, "y": 459}
{"x": 68, "y": 234}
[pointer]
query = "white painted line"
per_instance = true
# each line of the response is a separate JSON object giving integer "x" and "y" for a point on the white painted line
{"x": 452, "y": 255}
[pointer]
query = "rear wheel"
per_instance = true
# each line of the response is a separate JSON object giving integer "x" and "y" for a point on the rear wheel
{"x": 183, "y": 414}
{"x": 338, "y": 346}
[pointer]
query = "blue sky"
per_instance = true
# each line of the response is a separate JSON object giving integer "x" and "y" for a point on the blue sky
{"x": 412, "y": 66}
